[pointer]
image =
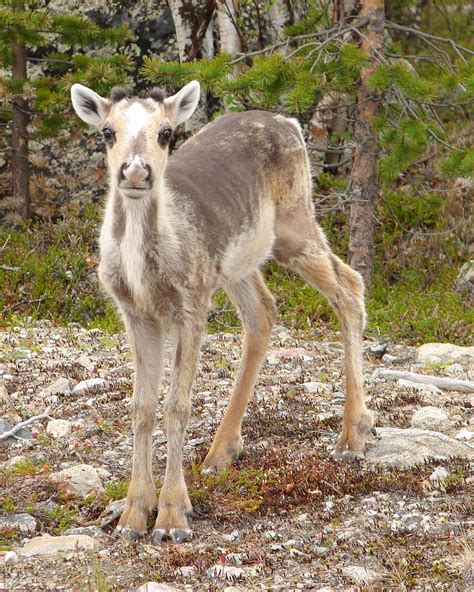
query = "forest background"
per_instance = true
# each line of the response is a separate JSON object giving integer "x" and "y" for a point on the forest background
{"x": 384, "y": 92}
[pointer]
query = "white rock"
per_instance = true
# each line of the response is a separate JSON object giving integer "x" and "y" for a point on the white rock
{"x": 465, "y": 434}
{"x": 454, "y": 369}
{"x": 187, "y": 571}
{"x": 48, "y": 545}
{"x": 431, "y": 418}
{"x": 360, "y": 575}
{"x": 11, "y": 558}
{"x": 92, "y": 384}
{"x": 233, "y": 536}
{"x": 439, "y": 475}
{"x": 445, "y": 353}
{"x": 59, "y": 428}
{"x": 80, "y": 479}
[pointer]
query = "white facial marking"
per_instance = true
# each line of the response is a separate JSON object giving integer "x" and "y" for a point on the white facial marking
{"x": 137, "y": 117}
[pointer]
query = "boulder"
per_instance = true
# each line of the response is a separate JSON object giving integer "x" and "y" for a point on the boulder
{"x": 47, "y": 545}
{"x": 96, "y": 385}
{"x": 445, "y": 354}
{"x": 83, "y": 480}
{"x": 398, "y": 447}
{"x": 431, "y": 418}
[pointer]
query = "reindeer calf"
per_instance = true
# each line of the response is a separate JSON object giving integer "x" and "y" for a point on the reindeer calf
{"x": 233, "y": 196}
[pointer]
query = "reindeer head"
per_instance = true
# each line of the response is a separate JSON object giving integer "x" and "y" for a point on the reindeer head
{"x": 137, "y": 132}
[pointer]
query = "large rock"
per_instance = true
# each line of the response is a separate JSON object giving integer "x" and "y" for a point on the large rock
{"x": 82, "y": 480}
{"x": 431, "y": 418}
{"x": 405, "y": 448}
{"x": 445, "y": 354}
{"x": 47, "y": 545}
{"x": 6, "y": 426}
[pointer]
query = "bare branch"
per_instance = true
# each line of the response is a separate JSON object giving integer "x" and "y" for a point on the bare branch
{"x": 11, "y": 433}
{"x": 457, "y": 48}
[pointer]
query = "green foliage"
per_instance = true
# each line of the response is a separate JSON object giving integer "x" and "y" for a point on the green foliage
{"x": 48, "y": 92}
{"x": 57, "y": 278}
{"x": 116, "y": 490}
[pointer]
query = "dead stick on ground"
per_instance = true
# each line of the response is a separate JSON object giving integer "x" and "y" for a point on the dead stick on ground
{"x": 447, "y": 384}
{"x": 11, "y": 433}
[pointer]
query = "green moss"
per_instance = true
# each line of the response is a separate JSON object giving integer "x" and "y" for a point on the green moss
{"x": 116, "y": 490}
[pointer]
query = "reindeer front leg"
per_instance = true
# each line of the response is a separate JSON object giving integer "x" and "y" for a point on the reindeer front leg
{"x": 174, "y": 501}
{"x": 146, "y": 337}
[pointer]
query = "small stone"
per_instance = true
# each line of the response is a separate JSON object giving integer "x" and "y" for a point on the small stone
{"x": 60, "y": 386}
{"x": 187, "y": 571}
{"x": 48, "y": 545}
{"x": 233, "y": 536}
{"x": 11, "y": 558}
{"x": 321, "y": 550}
{"x": 465, "y": 434}
{"x": 125, "y": 370}
{"x": 92, "y": 384}
{"x": 465, "y": 279}
{"x": 22, "y": 522}
{"x": 378, "y": 347}
{"x": 59, "y": 428}
{"x": 317, "y": 387}
{"x": 360, "y": 575}
{"x": 82, "y": 480}
{"x": 4, "y": 397}
{"x": 438, "y": 476}
{"x": 225, "y": 572}
{"x": 93, "y": 531}
{"x": 431, "y": 418}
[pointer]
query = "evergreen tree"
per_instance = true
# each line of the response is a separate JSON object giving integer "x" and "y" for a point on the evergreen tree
{"x": 423, "y": 101}
{"x": 31, "y": 36}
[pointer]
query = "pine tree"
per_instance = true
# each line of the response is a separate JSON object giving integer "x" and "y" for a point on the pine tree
{"x": 417, "y": 103}
{"x": 30, "y": 35}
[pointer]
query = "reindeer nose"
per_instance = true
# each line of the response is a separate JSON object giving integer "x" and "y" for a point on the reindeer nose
{"x": 136, "y": 173}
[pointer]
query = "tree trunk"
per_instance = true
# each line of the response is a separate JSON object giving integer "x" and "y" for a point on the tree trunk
{"x": 280, "y": 16}
{"x": 364, "y": 186}
{"x": 21, "y": 118}
{"x": 228, "y": 12}
{"x": 191, "y": 20}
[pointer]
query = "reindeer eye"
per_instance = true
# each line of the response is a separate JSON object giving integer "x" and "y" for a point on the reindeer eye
{"x": 164, "y": 136}
{"x": 107, "y": 133}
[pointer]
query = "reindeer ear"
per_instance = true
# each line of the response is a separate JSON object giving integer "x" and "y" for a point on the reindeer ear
{"x": 181, "y": 106}
{"x": 90, "y": 106}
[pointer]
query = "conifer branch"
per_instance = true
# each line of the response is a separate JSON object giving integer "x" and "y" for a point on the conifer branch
{"x": 337, "y": 30}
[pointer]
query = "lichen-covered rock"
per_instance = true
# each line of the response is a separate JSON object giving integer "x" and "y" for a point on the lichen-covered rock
{"x": 465, "y": 279}
{"x": 48, "y": 545}
{"x": 405, "y": 448}
{"x": 22, "y": 522}
{"x": 59, "y": 428}
{"x": 82, "y": 480}
{"x": 431, "y": 418}
{"x": 445, "y": 354}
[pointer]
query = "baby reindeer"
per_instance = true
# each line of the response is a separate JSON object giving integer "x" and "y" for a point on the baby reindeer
{"x": 233, "y": 196}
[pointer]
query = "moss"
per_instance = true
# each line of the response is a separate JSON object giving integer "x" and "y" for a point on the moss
{"x": 116, "y": 490}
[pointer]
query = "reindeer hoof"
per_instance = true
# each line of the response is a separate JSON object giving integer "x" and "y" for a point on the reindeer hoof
{"x": 131, "y": 534}
{"x": 350, "y": 457}
{"x": 158, "y": 536}
{"x": 180, "y": 535}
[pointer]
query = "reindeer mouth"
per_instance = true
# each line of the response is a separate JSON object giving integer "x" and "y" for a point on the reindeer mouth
{"x": 134, "y": 191}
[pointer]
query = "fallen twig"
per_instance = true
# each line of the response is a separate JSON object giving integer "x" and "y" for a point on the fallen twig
{"x": 11, "y": 433}
{"x": 446, "y": 384}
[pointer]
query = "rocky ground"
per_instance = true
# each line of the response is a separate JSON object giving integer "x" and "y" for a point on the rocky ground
{"x": 286, "y": 517}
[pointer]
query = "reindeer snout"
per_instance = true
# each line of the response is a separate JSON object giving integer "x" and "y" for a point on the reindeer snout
{"x": 135, "y": 174}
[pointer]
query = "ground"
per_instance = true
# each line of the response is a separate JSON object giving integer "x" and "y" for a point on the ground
{"x": 286, "y": 517}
